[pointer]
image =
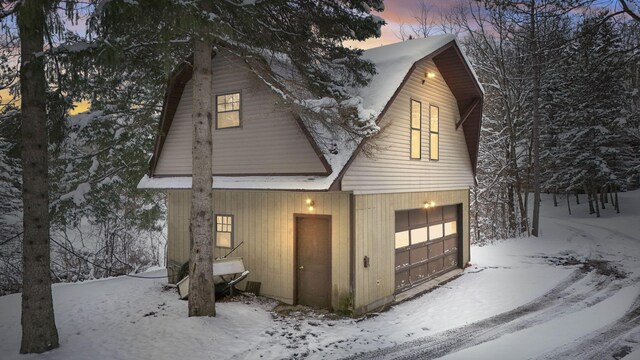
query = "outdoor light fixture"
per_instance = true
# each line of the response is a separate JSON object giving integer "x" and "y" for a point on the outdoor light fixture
{"x": 428, "y": 75}
{"x": 429, "y": 204}
{"x": 311, "y": 203}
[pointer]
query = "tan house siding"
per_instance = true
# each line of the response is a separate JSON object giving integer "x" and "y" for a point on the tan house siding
{"x": 264, "y": 220}
{"x": 374, "y": 237}
{"x": 269, "y": 140}
{"x": 390, "y": 169}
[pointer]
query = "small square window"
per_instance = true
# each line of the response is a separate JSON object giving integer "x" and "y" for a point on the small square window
{"x": 228, "y": 111}
{"x": 224, "y": 231}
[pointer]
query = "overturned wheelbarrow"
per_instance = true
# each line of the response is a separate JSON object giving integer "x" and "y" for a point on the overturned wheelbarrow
{"x": 226, "y": 273}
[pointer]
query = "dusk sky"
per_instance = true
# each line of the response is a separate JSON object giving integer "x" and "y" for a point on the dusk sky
{"x": 396, "y": 14}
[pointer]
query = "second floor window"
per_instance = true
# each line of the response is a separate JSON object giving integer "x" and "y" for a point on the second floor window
{"x": 434, "y": 133}
{"x": 228, "y": 111}
{"x": 416, "y": 129}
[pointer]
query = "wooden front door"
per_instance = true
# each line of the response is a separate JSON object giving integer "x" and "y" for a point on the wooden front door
{"x": 313, "y": 261}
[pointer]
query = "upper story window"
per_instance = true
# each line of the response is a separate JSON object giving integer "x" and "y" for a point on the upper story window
{"x": 224, "y": 231}
{"x": 434, "y": 133}
{"x": 228, "y": 110}
{"x": 416, "y": 129}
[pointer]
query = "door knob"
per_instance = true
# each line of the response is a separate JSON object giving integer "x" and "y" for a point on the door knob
{"x": 301, "y": 267}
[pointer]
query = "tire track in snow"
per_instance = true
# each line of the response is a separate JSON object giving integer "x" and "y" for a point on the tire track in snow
{"x": 455, "y": 339}
{"x": 606, "y": 342}
{"x": 557, "y": 300}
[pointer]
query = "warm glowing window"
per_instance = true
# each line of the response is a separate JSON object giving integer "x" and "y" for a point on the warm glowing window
{"x": 224, "y": 231}
{"x": 402, "y": 239}
{"x": 228, "y": 111}
{"x": 416, "y": 129}
{"x": 434, "y": 133}
{"x": 450, "y": 228}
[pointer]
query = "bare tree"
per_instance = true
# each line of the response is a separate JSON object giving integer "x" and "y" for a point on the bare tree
{"x": 631, "y": 8}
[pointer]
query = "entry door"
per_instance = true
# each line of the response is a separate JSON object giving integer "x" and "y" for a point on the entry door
{"x": 313, "y": 261}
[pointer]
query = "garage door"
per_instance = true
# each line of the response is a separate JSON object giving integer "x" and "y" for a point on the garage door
{"x": 426, "y": 244}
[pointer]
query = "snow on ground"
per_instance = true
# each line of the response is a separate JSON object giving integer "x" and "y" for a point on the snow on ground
{"x": 567, "y": 294}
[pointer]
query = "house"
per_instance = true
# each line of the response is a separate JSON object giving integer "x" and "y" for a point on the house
{"x": 329, "y": 225}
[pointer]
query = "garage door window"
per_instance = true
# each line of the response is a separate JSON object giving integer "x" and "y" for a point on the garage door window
{"x": 435, "y": 232}
{"x": 402, "y": 239}
{"x": 450, "y": 228}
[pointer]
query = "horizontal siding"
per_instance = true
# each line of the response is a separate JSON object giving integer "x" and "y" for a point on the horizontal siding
{"x": 390, "y": 169}
{"x": 269, "y": 141}
{"x": 264, "y": 220}
{"x": 374, "y": 237}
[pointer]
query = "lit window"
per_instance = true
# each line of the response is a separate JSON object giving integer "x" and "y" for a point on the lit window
{"x": 450, "y": 228}
{"x": 434, "y": 133}
{"x": 435, "y": 232}
{"x": 228, "y": 111}
{"x": 416, "y": 129}
{"x": 224, "y": 231}
{"x": 402, "y": 239}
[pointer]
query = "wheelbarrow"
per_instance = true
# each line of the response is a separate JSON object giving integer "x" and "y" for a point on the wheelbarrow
{"x": 227, "y": 272}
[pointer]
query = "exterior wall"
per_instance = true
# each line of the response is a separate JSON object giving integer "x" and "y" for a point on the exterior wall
{"x": 269, "y": 140}
{"x": 390, "y": 169}
{"x": 264, "y": 220}
{"x": 374, "y": 237}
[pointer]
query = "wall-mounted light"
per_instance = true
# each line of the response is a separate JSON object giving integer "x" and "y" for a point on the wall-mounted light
{"x": 310, "y": 204}
{"x": 428, "y": 75}
{"x": 429, "y": 204}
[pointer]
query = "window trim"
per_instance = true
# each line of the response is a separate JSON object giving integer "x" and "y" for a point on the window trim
{"x": 437, "y": 133}
{"x": 239, "y": 92}
{"x": 215, "y": 232}
{"x": 411, "y": 129}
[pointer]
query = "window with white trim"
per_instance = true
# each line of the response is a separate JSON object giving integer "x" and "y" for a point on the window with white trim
{"x": 228, "y": 111}
{"x": 224, "y": 231}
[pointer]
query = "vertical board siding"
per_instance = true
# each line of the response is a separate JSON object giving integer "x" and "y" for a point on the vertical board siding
{"x": 390, "y": 169}
{"x": 374, "y": 237}
{"x": 268, "y": 141}
{"x": 264, "y": 220}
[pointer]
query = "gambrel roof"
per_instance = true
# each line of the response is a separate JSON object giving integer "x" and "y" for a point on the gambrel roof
{"x": 394, "y": 65}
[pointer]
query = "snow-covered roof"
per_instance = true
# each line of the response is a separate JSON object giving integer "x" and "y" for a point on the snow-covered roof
{"x": 393, "y": 64}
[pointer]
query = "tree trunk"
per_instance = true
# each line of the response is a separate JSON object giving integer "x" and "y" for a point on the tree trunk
{"x": 201, "y": 287}
{"x": 602, "y": 197}
{"x": 535, "y": 226}
{"x": 592, "y": 210}
{"x": 577, "y": 198}
{"x": 555, "y": 200}
{"x": 568, "y": 204}
{"x": 595, "y": 198}
{"x": 617, "y": 203}
{"x": 39, "y": 333}
{"x": 611, "y": 195}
